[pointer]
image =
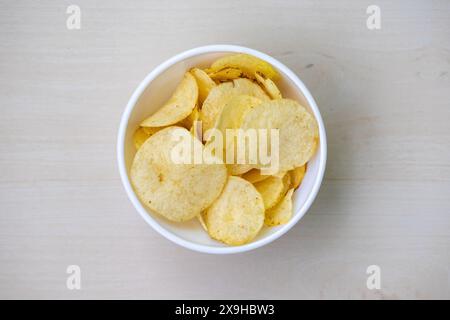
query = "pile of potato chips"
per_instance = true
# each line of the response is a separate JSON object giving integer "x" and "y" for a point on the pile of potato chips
{"x": 232, "y": 201}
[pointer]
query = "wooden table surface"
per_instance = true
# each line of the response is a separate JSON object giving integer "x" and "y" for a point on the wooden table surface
{"x": 384, "y": 96}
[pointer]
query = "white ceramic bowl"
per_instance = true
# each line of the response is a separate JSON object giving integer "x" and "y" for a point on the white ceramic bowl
{"x": 152, "y": 93}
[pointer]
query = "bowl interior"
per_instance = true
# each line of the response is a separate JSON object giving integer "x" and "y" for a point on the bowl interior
{"x": 157, "y": 92}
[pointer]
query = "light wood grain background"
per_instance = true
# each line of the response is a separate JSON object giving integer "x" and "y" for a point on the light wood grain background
{"x": 384, "y": 96}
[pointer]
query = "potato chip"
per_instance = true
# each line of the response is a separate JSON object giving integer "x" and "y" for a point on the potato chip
{"x": 234, "y": 110}
{"x": 196, "y": 130}
{"x": 281, "y": 213}
{"x": 280, "y": 174}
{"x": 190, "y": 119}
{"x": 272, "y": 189}
{"x": 298, "y": 130}
{"x": 220, "y": 95}
{"x": 143, "y": 133}
{"x": 178, "y": 107}
{"x": 139, "y": 137}
{"x": 247, "y": 63}
{"x": 202, "y": 222}
{"x": 297, "y": 175}
{"x": 152, "y": 130}
{"x": 231, "y": 118}
{"x": 204, "y": 83}
{"x": 178, "y": 192}
{"x": 269, "y": 86}
{"x": 236, "y": 217}
{"x": 248, "y": 87}
{"x": 212, "y": 106}
{"x": 254, "y": 176}
{"x": 236, "y": 169}
{"x": 226, "y": 74}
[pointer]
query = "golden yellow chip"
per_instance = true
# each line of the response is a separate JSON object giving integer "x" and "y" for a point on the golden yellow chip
{"x": 178, "y": 107}
{"x": 175, "y": 190}
{"x": 226, "y": 74}
{"x": 222, "y": 94}
{"x": 152, "y": 130}
{"x": 297, "y": 175}
{"x": 212, "y": 106}
{"x": 280, "y": 174}
{"x": 238, "y": 169}
{"x": 236, "y": 217}
{"x": 248, "y": 87}
{"x": 281, "y": 213}
{"x": 190, "y": 119}
{"x": 247, "y": 63}
{"x": 231, "y": 118}
{"x": 196, "y": 130}
{"x": 204, "y": 83}
{"x": 202, "y": 222}
{"x": 254, "y": 176}
{"x": 272, "y": 189}
{"x": 234, "y": 110}
{"x": 270, "y": 86}
{"x": 140, "y": 136}
{"x": 297, "y": 130}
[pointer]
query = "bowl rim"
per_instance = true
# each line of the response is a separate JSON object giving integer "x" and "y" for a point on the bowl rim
{"x": 217, "y": 48}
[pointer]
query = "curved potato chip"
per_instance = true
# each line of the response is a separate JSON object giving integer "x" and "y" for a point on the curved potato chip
{"x": 178, "y": 107}
{"x": 297, "y": 175}
{"x": 190, "y": 119}
{"x": 298, "y": 130}
{"x": 254, "y": 176}
{"x": 226, "y": 74}
{"x": 204, "y": 83}
{"x": 221, "y": 94}
{"x": 247, "y": 63}
{"x": 196, "y": 130}
{"x": 238, "y": 169}
{"x": 280, "y": 174}
{"x": 152, "y": 130}
{"x": 234, "y": 110}
{"x": 270, "y": 86}
{"x": 281, "y": 213}
{"x": 202, "y": 222}
{"x": 140, "y": 136}
{"x": 178, "y": 192}
{"x": 272, "y": 189}
{"x": 231, "y": 118}
{"x": 248, "y": 87}
{"x": 212, "y": 106}
{"x": 237, "y": 216}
